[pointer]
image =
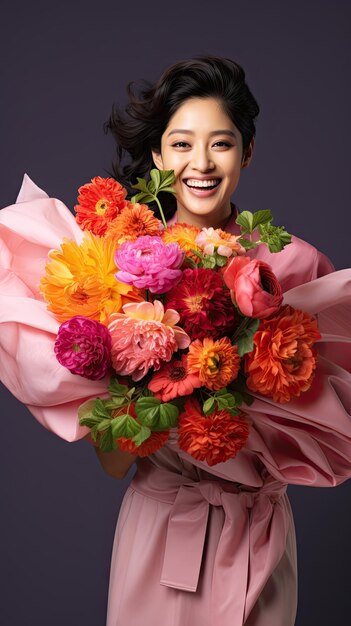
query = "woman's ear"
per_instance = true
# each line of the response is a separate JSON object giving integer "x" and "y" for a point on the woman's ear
{"x": 248, "y": 155}
{"x": 157, "y": 159}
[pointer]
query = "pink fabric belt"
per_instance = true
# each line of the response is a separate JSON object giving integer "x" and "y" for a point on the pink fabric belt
{"x": 253, "y": 537}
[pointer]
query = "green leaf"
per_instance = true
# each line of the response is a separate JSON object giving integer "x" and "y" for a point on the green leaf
{"x": 143, "y": 434}
{"x": 125, "y": 426}
{"x": 245, "y": 340}
{"x": 103, "y": 425}
{"x": 141, "y": 185}
{"x": 209, "y": 405}
{"x": 245, "y": 221}
{"x": 168, "y": 189}
{"x": 148, "y": 410}
{"x": 221, "y": 261}
{"x": 107, "y": 442}
{"x": 86, "y": 416}
{"x": 261, "y": 217}
{"x": 247, "y": 244}
{"x": 116, "y": 389}
{"x": 276, "y": 237}
{"x": 225, "y": 401}
{"x": 116, "y": 402}
{"x": 167, "y": 179}
{"x": 100, "y": 410}
{"x": 168, "y": 416}
{"x": 144, "y": 198}
{"x": 156, "y": 179}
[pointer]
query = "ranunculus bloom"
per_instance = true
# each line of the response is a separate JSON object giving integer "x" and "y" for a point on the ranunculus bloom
{"x": 282, "y": 363}
{"x": 211, "y": 239}
{"x": 174, "y": 380}
{"x": 99, "y": 202}
{"x": 83, "y": 346}
{"x": 80, "y": 280}
{"x": 216, "y": 362}
{"x": 144, "y": 336}
{"x": 205, "y": 307}
{"x": 213, "y": 438}
{"x": 148, "y": 263}
{"x": 254, "y": 288}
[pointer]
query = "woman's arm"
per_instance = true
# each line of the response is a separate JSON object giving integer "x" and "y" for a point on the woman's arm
{"x": 115, "y": 463}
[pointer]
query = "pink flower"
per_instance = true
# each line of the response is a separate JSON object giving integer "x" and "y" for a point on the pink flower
{"x": 83, "y": 346}
{"x": 254, "y": 288}
{"x": 210, "y": 239}
{"x": 148, "y": 263}
{"x": 174, "y": 380}
{"x": 144, "y": 336}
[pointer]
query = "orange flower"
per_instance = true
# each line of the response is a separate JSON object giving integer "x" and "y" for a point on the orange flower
{"x": 216, "y": 362}
{"x": 99, "y": 202}
{"x": 80, "y": 280}
{"x": 185, "y": 235}
{"x": 282, "y": 362}
{"x": 213, "y": 438}
{"x": 134, "y": 221}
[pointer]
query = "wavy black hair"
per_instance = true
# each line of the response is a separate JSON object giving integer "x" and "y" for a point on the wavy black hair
{"x": 138, "y": 129}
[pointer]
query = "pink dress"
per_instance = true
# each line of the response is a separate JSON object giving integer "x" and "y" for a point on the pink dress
{"x": 194, "y": 545}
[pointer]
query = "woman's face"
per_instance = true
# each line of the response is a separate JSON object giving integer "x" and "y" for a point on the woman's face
{"x": 204, "y": 148}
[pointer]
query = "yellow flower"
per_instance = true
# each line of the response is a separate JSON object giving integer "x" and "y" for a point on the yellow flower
{"x": 185, "y": 236}
{"x": 80, "y": 280}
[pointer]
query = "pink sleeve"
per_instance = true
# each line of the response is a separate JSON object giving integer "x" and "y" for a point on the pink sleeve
{"x": 28, "y": 366}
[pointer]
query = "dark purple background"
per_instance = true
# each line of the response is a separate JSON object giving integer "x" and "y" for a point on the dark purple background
{"x": 61, "y": 69}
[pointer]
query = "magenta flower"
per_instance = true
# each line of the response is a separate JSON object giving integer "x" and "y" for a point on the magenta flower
{"x": 148, "y": 263}
{"x": 84, "y": 347}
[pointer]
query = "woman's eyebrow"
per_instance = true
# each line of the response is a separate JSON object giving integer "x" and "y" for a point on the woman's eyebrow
{"x": 214, "y": 132}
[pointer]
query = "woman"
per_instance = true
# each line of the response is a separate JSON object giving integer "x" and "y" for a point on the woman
{"x": 196, "y": 545}
{"x": 193, "y": 544}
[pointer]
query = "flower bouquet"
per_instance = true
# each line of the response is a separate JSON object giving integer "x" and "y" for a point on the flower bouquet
{"x": 180, "y": 321}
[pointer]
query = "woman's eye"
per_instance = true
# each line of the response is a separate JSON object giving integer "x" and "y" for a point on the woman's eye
{"x": 223, "y": 143}
{"x": 180, "y": 144}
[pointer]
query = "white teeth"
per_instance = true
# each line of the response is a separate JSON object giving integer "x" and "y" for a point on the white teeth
{"x": 192, "y": 182}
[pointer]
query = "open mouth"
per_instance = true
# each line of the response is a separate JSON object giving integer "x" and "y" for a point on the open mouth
{"x": 192, "y": 183}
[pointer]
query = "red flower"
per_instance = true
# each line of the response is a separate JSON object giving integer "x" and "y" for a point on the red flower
{"x": 254, "y": 287}
{"x": 204, "y": 305}
{"x": 213, "y": 438}
{"x": 99, "y": 202}
{"x": 149, "y": 446}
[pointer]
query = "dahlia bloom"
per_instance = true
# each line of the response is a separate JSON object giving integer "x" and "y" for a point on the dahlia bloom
{"x": 144, "y": 336}
{"x": 210, "y": 239}
{"x": 204, "y": 305}
{"x": 99, "y": 202}
{"x": 80, "y": 280}
{"x": 83, "y": 346}
{"x": 254, "y": 288}
{"x": 174, "y": 380}
{"x": 217, "y": 363}
{"x": 213, "y": 438}
{"x": 282, "y": 363}
{"x": 134, "y": 221}
{"x": 185, "y": 235}
{"x": 148, "y": 263}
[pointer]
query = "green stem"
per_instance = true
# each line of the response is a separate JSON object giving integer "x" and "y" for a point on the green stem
{"x": 161, "y": 211}
{"x": 241, "y": 327}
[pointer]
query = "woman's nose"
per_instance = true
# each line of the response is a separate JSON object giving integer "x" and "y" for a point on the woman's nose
{"x": 201, "y": 159}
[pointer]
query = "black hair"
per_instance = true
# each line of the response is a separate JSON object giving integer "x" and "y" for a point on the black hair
{"x": 139, "y": 128}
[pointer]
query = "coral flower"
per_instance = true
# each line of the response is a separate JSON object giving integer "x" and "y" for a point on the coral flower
{"x": 83, "y": 346}
{"x": 213, "y": 438}
{"x": 148, "y": 263}
{"x": 210, "y": 240}
{"x": 216, "y": 362}
{"x": 174, "y": 380}
{"x": 185, "y": 236}
{"x": 80, "y": 280}
{"x": 204, "y": 305}
{"x": 99, "y": 202}
{"x": 134, "y": 221}
{"x": 282, "y": 363}
{"x": 143, "y": 337}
